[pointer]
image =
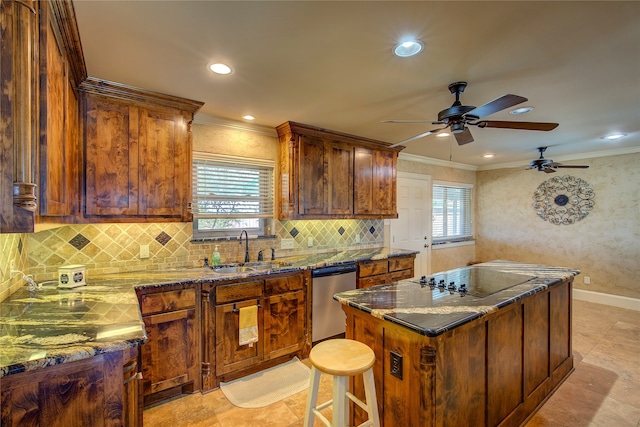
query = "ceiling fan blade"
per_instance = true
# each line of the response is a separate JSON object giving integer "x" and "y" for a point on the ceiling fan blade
{"x": 516, "y": 125}
{"x": 412, "y": 121}
{"x": 464, "y": 137}
{"x": 496, "y": 105}
{"x": 572, "y": 166}
{"x": 421, "y": 135}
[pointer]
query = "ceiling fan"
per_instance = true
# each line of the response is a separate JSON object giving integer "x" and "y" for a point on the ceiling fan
{"x": 458, "y": 117}
{"x": 548, "y": 165}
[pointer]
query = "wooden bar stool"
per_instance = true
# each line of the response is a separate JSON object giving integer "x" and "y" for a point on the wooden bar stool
{"x": 341, "y": 358}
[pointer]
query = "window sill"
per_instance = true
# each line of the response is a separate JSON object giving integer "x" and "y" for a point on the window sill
{"x": 437, "y": 246}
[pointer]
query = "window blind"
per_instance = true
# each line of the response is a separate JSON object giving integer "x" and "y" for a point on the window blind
{"x": 231, "y": 190}
{"x": 452, "y": 213}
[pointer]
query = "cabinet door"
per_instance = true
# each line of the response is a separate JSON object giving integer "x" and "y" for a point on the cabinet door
{"x": 111, "y": 157}
{"x": 169, "y": 356}
{"x": 312, "y": 196}
{"x": 284, "y": 321}
{"x": 339, "y": 163}
{"x": 374, "y": 182}
{"x": 230, "y": 355}
{"x": 164, "y": 163}
{"x": 58, "y": 126}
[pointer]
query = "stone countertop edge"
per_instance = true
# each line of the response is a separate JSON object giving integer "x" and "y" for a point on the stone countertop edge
{"x": 450, "y": 312}
{"x": 18, "y": 354}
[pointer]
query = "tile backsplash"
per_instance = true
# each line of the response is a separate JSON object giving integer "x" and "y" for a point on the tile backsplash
{"x": 112, "y": 248}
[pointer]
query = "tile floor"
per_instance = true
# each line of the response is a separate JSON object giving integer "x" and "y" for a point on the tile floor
{"x": 604, "y": 390}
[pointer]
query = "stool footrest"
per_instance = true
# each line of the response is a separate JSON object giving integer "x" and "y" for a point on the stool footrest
{"x": 321, "y": 417}
{"x": 357, "y": 401}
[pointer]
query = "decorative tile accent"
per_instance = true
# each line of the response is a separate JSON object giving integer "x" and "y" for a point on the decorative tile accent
{"x": 163, "y": 238}
{"x": 20, "y": 246}
{"x": 294, "y": 232}
{"x": 341, "y": 231}
{"x": 372, "y": 230}
{"x": 79, "y": 241}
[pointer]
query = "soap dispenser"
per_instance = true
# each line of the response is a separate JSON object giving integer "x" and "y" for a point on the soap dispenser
{"x": 215, "y": 257}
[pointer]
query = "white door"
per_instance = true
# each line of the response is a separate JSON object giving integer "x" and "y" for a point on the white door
{"x": 412, "y": 229}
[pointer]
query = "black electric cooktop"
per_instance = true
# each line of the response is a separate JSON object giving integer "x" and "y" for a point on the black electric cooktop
{"x": 477, "y": 281}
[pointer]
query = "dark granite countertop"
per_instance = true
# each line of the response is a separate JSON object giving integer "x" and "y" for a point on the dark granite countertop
{"x": 51, "y": 326}
{"x": 431, "y": 312}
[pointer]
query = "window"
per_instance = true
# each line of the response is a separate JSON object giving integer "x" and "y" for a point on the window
{"x": 452, "y": 213}
{"x": 231, "y": 194}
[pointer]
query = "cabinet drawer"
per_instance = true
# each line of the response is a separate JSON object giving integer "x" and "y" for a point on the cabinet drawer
{"x": 400, "y": 275}
{"x": 280, "y": 285}
{"x": 372, "y": 268}
{"x": 239, "y": 291}
{"x": 168, "y": 301}
{"x": 367, "y": 282}
{"x": 401, "y": 263}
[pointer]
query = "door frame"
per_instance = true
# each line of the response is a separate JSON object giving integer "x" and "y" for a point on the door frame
{"x": 426, "y": 254}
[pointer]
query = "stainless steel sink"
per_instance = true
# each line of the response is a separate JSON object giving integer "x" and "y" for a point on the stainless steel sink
{"x": 234, "y": 269}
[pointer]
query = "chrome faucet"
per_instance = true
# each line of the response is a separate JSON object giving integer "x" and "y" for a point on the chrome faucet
{"x": 246, "y": 247}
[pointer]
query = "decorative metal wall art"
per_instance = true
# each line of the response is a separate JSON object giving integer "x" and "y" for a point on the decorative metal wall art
{"x": 563, "y": 200}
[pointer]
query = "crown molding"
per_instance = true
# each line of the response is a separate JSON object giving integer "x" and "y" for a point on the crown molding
{"x": 436, "y": 162}
{"x": 580, "y": 156}
{"x": 209, "y": 120}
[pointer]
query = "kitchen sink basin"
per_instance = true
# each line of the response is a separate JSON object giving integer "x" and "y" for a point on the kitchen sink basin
{"x": 234, "y": 269}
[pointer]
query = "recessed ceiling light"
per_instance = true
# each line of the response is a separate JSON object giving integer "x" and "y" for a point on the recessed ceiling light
{"x": 220, "y": 68}
{"x": 442, "y": 135}
{"x": 248, "y": 117}
{"x": 521, "y": 110}
{"x": 408, "y": 48}
{"x": 614, "y": 136}
{"x": 488, "y": 156}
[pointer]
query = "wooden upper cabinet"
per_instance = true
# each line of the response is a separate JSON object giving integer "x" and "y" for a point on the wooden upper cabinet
{"x": 137, "y": 154}
{"x": 59, "y": 142}
{"x": 321, "y": 176}
{"x": 375, "y": 182}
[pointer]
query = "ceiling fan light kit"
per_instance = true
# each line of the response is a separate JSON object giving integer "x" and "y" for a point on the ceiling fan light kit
{"x": 458, "y": 117}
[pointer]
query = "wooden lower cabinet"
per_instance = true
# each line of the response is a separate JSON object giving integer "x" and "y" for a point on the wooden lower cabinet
{"x": 100, "y": 391}
{"x": 379, "y": 272}
{"x": 494, "y": 371}
{"x": 170, "y": 357}
{"x": 283, "y": 325}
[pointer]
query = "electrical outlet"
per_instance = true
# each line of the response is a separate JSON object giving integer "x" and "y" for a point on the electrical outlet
{"x": 395, "y": 365}
{"x": 144, "y": 251}
{"x": 357, "y": 238}
{"x": 587, "y": 280}
{"x": 287, "y": 243}
{"x": 310, "y": 242}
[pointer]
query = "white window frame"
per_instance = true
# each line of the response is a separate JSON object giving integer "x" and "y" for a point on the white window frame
{"x": 265, "y": 219}
{"x": 456, "y": 239}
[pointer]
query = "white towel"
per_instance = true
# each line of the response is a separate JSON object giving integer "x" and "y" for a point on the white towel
{"x": 248, "y": 325}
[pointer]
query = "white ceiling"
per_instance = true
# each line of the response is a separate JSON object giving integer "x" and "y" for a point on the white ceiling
{"x": 330, "y": 64}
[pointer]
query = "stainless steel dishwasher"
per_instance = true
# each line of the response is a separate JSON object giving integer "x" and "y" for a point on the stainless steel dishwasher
{"x": 327, "y": 317}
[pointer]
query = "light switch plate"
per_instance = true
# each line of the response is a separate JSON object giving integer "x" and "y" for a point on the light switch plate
{"x": 309, "y": 242}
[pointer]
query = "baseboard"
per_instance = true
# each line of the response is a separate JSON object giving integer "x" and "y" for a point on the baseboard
{"x": 608, "y": 299}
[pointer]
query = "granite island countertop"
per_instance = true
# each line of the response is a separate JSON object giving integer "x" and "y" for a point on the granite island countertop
{"x": 433, "y": 311}
{"x": 50, "y": 326}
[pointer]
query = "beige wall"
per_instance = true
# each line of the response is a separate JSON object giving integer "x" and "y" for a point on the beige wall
{"x": 452, "y": 257}
{"x": 604, "y": 246}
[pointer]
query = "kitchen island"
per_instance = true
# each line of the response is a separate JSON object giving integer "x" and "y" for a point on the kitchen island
{"x": 484, "y": 354}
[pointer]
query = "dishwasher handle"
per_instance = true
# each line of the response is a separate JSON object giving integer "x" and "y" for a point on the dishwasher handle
{"x": 333, "y": 270}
